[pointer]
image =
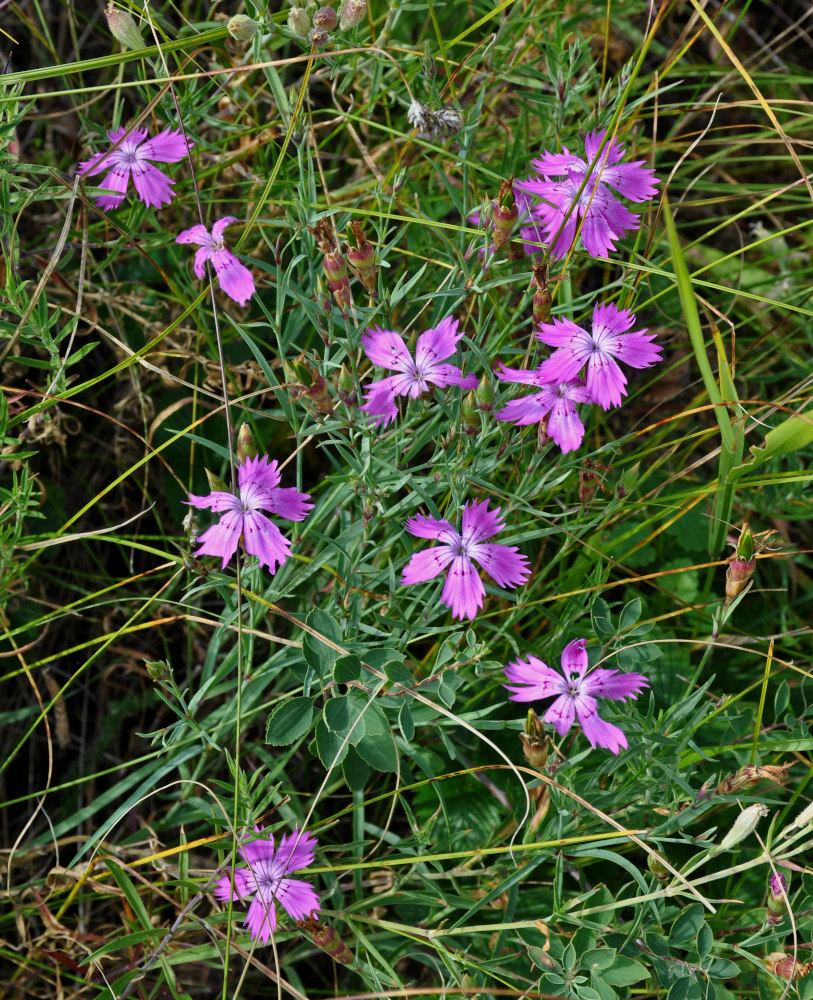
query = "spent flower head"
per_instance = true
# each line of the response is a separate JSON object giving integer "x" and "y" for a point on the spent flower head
{"x": 265, "y": 878}
{"x": 131, "y": 156}
{"x": 387, "y": 349}
{"x": 558, "y": 178}
{"x": 235, "y": 278}
{"x": 575, "y": 691}
{"x": 556, "y": 402}
{"x": 463, "y": 591}
{"x": 242, "y": 518}
{"x": 597, "y": 351}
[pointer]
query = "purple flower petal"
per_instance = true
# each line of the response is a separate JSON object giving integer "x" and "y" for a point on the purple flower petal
{"x": 479, "y": 522}
{"x": 262, "y": 538}
{"x": 463, "y": 590}
{"x": 199, "y": 235}
{"x": 505, "y": 564}
{"x": 562, "y": 714}
{"x": 221, "y": 539}
{"x": 386, "y": 348}
{"x": 297, "y": 898}
{"x": 235, "y": 278}
{"x": 166, "y": 147}
{"x": 153, "y": 187}
{"x": 437, "y": 343}
{"x": 533, "y": 680}
{"x": 422, "y": 526}
{"x": 426, "y": 565}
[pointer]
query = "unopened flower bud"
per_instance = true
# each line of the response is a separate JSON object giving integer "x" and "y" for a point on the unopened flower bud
{"x": 777, "y": 894}
{"x": 504, "y": 213}
{"x": 347, "y": 386}
{"x": 246, "y": 445}
{"x": 318, "y": 37}
{"x": 159, "y": 670}
{"x": 325, "y": 17}
{"x": 485, "y": 393}
{"x": 534, "y": 741}
{"x": 299, "y": 21}
{"x": 123, "y": 28}
{"x": 337, "y": 279}
{"x": 805, "y": 818}
{"x": 215, "y": 482}
{"x": 352, "y": 13}
{"x": 658, "y": 868}
{"x": 744, "y": 826}
{"x": 242, "y": 27}
{"x": 741, "y": 565}
{"x": 470, "y": 414}
{"x": 361, "y": 258}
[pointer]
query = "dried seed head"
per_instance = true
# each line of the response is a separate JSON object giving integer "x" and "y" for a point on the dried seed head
{"x": 748, "y": 776}
{"x": 123, "y": 28}
{"x": 534, "y": 741}
{"x": 430, "y": 124}
{"x": 784, "y": 966}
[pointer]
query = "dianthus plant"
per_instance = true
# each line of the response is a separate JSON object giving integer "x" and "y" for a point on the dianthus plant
{"x": 265, "y": 878}
{"x": 560, "y": 176}
{"x": 463, "y": 591}
{"x": 235, "y": 278}
{"x": 597, "y": 351}
{"x": 387, "y": 349}
{"x": 130, "y": 156}
{"x": 242, "y": 517}
{"x": 555, "y": 401}
{"x": 575, "y": 691}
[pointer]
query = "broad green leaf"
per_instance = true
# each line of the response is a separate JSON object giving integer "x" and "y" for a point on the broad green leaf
{"x": 289, "y": 721}
{"x": 319, "y": 655}
{"x": 379, "y": 751}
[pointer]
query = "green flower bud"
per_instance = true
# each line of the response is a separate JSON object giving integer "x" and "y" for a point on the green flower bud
{"x": 485, "y": 393}
{"x": 159, "y": 670}
{"x": 361, "y": 258}
{"x": 534, "y": 741}
{"x": 658, "y": 868}
{"x": 246, "y": 445}
{"x": 352, "y": 13}
{"x": 242, "y": 27}
{"x": 318, "y": 37}
{"x": 215, "y": 482}
{"x": 123, "y": 28}
{"x": 744, "y": 826}
{"x": 325, "y": 17}
{"x": 777, "y": 894}
{"x": 470, "y": 414}
{"x": 347, "y": 387}
{"x": 299, "y": 21}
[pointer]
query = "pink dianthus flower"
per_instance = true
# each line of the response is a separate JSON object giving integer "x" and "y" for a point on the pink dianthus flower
{"x": 131, "y": 156}
{"x": 242, "y": 517}
{"x": 597, "y": 350}
{"x": 603, "y": 218}
{"x": 576, "y": 692}
{"x": 555, "y": 401}
{"x": 387, "y": 349}
{"x": 235, "y": 278}
{"x": 265, "y": 877}
{"x": 463, "y": 591}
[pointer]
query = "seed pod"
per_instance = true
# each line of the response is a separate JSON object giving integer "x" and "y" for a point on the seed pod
{"x": 783, "y": 965}
{"x": 325, "y": 17}
{"x": 361, "y": 258}
{"x": 123, "y": 28}
{"x": 318, "y": 37}
{"x": 542, "y": 297}
{"x": 334, "y": 265}
{"x": 352, "y": 13}
{"x": 325, "y": 937}
{"x": 747, "y": 776}
{"x": 534, "y": 740}
{"x": 242, "y": 27}
{"x": 741, "y": 565}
